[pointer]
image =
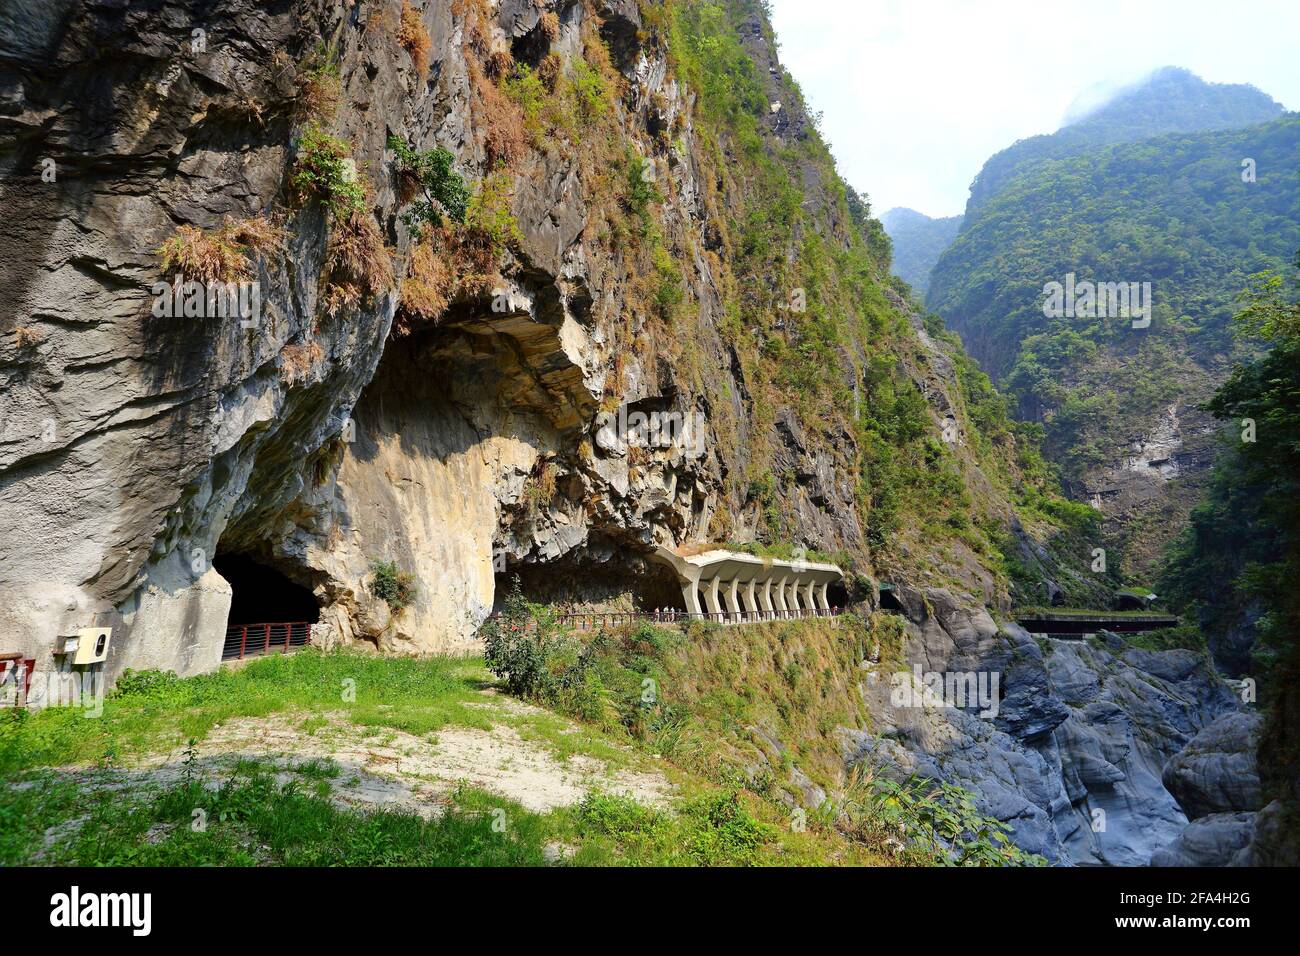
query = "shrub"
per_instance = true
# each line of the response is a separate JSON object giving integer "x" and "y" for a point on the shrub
{"x": 392, "y": 585}
{"x": 527, "y": 90}
{"x": 26, "y": 336}
{"x": 548, "y": 71}
{"x": 489, "y": 214}
{"x": 325, "y": 171}
{"x": 414, "y": 38}
{"x": 550, "y": 24}
{"x": 501, "y": 119}
{"x": 928, "y": 821}
{"x": 430, "y": 175}
{"x": 539, "y": 493}
{"x": 500, "y": 64}
{"x": 531, "y": 652}
{"x": 589, "y": 91}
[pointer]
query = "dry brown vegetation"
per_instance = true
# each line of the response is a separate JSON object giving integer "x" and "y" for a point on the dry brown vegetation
{"x": 475, "y": 15}
{"x": 504, "y": 139}
{"x": 319, "y": 92}
{"x": 356, "y": 262}
{"x": 427, "y": 288}
{"x": 499, "y": 65}
{"x": 222, "y": 254}
{"x": 453, "y": 261}
{"x": 414, "y": 38}
{"x": 548, "y": 71}
{"x": 28, "y": 336}
{"x": 550, "y": 24}
{"x": 297, "y": 361}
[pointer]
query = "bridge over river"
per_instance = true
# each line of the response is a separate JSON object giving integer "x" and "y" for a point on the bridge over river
{"x": 1090, "y": 622}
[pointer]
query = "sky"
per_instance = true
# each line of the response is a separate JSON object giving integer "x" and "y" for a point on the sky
{"x": 917, "y": 94}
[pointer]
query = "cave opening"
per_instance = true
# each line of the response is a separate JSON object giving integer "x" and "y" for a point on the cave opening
{"x": 888, "y": 599}
{"x": 269, "y": 612}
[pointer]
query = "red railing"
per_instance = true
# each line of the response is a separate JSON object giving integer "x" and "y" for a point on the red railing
{"x": 19, "y": 669}
{"x": 254, "y": 640}
{"x": 591, "y": 621}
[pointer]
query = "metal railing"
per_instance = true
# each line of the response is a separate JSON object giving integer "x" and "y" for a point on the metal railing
{"x": 255, "y": 640}
{"x": 18, "y": 669}
{"x": 594, "y": 620}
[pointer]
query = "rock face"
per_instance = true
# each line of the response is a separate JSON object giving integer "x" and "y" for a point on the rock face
{"x": 139, "y": 449}
{"x": 1074, "y": 754}
{"x": 317, "y": 439}
{"x": 1216, "y": 772}
{"x": 1216, "y": 781}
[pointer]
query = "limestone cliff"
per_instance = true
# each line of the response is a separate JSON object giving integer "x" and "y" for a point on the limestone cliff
{"x": 139, "y": 448}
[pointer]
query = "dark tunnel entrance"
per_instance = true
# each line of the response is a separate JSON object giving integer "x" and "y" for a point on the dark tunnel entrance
{"x": 889, "y": 600}
{"x": 269, "y": 613}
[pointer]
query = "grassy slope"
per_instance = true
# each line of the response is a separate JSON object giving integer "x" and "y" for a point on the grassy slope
{"x": 259, "y": 814}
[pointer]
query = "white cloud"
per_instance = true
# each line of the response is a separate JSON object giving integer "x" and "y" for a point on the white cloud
{"x": 917, "y": 94}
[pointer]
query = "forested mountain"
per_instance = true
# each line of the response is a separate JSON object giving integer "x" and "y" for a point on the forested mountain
{"x": 1236, "y": 566}
{"x": 918, "y": 242}
{"x": 1170, "y": 100}
{"x": 1193, "y": 215}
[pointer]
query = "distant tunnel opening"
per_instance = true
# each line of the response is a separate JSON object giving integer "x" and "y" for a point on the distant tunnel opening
{"x": 269, "y": 612}
{"x": 889, "y": 600}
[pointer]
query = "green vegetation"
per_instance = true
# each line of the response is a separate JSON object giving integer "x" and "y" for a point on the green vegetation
{"x": 324, "y": 171}
{"x": 487, "y": 216}
{"x": 107, "y": 810}
{"x": 1109, "y": 215}
{"x": 818, "y": 327}
{"x": 148, "y": 710}
{"x": 441, "y": 190}
{"x": 319, "y": 86}
{"x": 1171, "y": 100}
{"x": 917, "y": 242}
{"x": 1236, "y": 566}
{"x": 250, "y": 819}
{"x": 392, "y": 585}
{"x": 694, "y": 697}
{"x": 1101, "y": 202}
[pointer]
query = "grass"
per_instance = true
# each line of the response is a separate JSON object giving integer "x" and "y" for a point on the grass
{"x": 251, "y": 819}
{"x": 255, "y": 817}
{"x": 152, "y": 713}
{"x": 260, "y": 812}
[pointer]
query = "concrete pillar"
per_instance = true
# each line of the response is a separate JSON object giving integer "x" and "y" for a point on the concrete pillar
{"x": 748, "y": 599}
{"x": 778, "y": 595}
{"x": 765, "y": 598}
{"x": 793, "y": 599}
{"x": 711, "y": 596}
{"x": 823, "y": 596}
{"x": 809, "y": 603}
{"x": 691, "y": 595}
{"x": 733, "y": 602}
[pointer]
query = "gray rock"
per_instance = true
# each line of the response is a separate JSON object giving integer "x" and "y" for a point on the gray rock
{"x": 1216, "y": 772}
{"x": 1213, "y": 840}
